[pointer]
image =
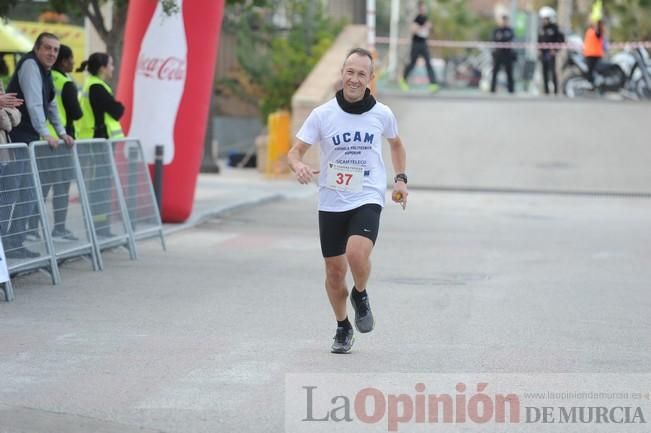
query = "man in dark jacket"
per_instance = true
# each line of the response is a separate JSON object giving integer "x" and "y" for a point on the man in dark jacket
{"x": 549, "y": 33}
{"x": 32, "y": 81}
{"x": 503, "y": 56}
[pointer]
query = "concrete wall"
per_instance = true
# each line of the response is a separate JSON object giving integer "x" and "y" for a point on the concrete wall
{"x": 525, "y": 144}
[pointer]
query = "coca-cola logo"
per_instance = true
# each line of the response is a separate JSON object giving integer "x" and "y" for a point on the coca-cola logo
{"x": 167, "y": 69}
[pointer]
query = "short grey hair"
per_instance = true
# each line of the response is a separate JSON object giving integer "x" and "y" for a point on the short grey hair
{"x": 44, "y": 35}
{"x": 360, "y": 52}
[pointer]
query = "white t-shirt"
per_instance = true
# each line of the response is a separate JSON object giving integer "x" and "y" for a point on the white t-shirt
{"x": 353, "y": 140}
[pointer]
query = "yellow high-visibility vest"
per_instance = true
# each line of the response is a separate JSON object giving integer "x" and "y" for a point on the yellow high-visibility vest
{"x": 86, "y": 125}
{"x": 59, "y": 80}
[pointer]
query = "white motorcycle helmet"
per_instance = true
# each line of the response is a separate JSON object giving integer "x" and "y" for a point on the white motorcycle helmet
{"x": 548, "y": 13}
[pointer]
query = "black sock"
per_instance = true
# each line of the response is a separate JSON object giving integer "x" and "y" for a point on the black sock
{"x": 344, "y": 323}
{"x": 357, "y": 295}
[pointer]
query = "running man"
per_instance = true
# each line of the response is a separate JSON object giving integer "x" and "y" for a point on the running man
{"x": 352, "y": 186}
{"x": 420, "y": 30}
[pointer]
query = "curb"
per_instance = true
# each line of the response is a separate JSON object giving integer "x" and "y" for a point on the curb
{"x": 216, "y": 211}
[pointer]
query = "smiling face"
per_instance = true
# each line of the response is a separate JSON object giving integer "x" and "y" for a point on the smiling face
{"x": 47, "y": 52}
{"x": 356, "y": 74}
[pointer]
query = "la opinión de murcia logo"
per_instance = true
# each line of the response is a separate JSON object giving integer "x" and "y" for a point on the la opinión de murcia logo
{"x": 167, "y": 69}
{"x": 372, "y": 405}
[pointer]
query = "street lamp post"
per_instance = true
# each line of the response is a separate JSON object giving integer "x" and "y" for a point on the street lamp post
{"x": 393, "y": 38}
{"x": 370, "y": 24}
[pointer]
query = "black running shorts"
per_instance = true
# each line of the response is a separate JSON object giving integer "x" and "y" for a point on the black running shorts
{"x": 336, "y": 227}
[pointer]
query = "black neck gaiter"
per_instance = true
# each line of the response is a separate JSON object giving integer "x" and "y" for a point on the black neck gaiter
{"x": 359, "y": 107}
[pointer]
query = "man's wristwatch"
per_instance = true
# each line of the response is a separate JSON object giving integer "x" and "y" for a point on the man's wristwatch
{"x": 400, "y": 176}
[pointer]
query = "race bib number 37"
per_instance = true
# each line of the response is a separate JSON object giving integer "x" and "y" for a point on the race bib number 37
{"x": 345, "y": 177}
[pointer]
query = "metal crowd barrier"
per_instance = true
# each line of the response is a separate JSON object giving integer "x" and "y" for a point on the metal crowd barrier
{"x": 101, "y": 183}
{"x": 137, "y": 189}
{"x": 101, "y": 197}
{"x": 9, "y": 291}
{"x": 60, "y": 173}
{"x": 21, "y": 200}
{"x": 7, "y": 288}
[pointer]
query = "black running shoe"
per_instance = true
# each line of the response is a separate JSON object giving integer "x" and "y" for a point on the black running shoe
{"x": 343, "y": 340}
{"x": 63, "y": 235}
{"x": 364, "y": 321}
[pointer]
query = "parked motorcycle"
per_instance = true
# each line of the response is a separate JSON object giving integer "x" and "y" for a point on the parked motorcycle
{"x": 628, "y": 72}
{"x": 640, "y": 75}
{"x": 608, "y": 77}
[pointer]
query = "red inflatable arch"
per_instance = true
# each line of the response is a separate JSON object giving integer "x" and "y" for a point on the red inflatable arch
{"x": 166, "y": 78}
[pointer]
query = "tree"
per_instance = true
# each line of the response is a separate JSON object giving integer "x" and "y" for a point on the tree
{"x": 112, "y": 35}
{"x": 6, "y": 6}
{"x": 288, "y": 38}
{"x": 455, "y": 20}
{"x": 631, "y": 20}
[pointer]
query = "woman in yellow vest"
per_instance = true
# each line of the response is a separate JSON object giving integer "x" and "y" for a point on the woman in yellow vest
{"x": 55, "y": 165}
{"x": 101, "y": 117}
{"x": 593, "y": 47}
{"x": 101, "y": 111}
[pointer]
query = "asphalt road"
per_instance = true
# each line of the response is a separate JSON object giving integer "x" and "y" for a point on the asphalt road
{"x": 200, "y": 338}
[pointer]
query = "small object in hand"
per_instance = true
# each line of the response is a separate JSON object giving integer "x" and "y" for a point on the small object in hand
{"x": 397, "y": 197}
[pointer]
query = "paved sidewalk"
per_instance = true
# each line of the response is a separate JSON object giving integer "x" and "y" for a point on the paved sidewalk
{"x": 235, "y": 189}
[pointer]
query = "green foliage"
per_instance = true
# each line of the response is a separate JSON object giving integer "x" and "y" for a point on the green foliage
{"x": 276, "y": 61}
{"x": 455, "y": 20}
{"x": 630, "y": 20}
{"x": 5, "y": 7}
{"x": 289, "y": 67}
{"x": 626, "y": 20}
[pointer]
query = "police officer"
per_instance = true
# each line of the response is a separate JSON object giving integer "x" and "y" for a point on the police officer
{"x": 549, "y": 33}
{"x": 503, "y": 56}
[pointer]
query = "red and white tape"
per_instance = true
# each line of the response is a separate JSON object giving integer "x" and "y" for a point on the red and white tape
{"x": 483, "y": 44}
